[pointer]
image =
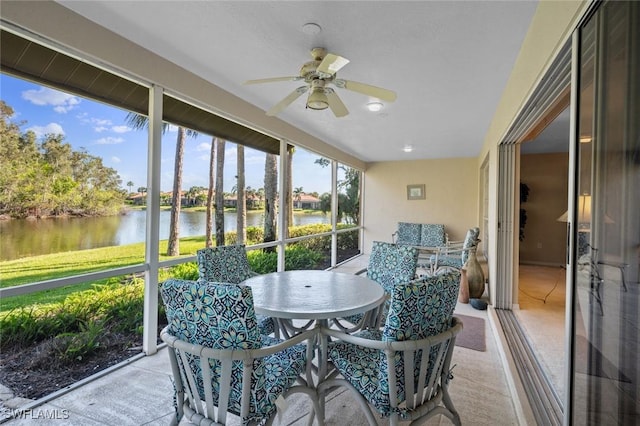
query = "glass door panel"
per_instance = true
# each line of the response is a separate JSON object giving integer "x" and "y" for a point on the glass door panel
{"x": 607, "y": 223}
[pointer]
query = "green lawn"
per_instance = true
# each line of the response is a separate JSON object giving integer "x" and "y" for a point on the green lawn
{"x": 58, "y": 265}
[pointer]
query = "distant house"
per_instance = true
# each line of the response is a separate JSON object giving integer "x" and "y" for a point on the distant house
{"x": 252, "y": 201}
{"x": 306, "y": 202}
{"x": 138, "y": 198}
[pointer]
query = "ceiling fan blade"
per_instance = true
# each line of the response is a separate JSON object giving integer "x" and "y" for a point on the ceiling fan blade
{"x": 367, "y": 89}
{"x": 270, "y": 80}
{"x": 336, "y": 105}
{"x": 275, "y": 110}
{"x": 331, "y": 64}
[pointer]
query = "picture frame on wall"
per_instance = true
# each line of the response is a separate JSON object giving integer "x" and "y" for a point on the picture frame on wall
{"x": 415, "y": 192}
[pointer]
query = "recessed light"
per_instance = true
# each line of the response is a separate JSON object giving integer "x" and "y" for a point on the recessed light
{"x": 374, "y": 106}
{"x": 407, "y": 148}
{"x": 585, "y": 139}
{"x": 311, "y": 28}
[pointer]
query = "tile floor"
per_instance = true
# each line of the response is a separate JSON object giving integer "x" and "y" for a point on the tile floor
{"x": 140, "y": 393}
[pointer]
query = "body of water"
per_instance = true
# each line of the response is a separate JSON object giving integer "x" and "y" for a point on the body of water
{"x": 22, "y": 238}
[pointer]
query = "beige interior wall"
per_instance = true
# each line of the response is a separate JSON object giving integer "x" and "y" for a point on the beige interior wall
{"x": 451, "y": 189}
{"x": 545, "y": 238}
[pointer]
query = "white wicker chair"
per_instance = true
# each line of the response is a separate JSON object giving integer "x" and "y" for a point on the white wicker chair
{"x": 402, "y": 371}
{"x": 221, "y": 363}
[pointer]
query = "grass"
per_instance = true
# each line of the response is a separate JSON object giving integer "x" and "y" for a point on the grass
{"x": 59, "y": 265}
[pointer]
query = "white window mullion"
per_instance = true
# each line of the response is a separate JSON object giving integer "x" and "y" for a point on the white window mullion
{"x": 152, "y": 245}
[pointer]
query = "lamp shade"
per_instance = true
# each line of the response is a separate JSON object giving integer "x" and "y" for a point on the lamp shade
{"x": 584, "y": 211}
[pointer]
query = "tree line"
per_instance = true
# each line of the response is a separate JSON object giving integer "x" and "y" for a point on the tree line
{"x": 49, "y": 178}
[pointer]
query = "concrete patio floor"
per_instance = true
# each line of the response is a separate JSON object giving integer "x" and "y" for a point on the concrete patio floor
{"x": 141, "y": 393}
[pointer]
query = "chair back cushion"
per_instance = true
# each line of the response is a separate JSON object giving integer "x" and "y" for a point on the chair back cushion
{"x": 215, "y": 315}
{"x": 470, "y": 240}
{"x": 432, "y": 235}
{"x": 418, "y": 310}
{"x": 409, "y": 233}
{"x": 391, "y": 264}
{"x": 224, "y": 264}
{"x": 422, "y": 308}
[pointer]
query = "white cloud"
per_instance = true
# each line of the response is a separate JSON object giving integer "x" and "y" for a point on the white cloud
{"x": 204, "y": 146}
{"x": 100, "y": 121}
{"x": 121, "y": 129}
{"x": 61, "y": 102}
{"x": 51, "y": 128}
{"x": 109, "y": 140}
{"x": 116, "y": 159}
{"x": 100, "y": 129}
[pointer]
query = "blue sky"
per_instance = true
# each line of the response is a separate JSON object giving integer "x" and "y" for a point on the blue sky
{"x": 102, "y": 130}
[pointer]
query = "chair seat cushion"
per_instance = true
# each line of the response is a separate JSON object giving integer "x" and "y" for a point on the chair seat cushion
{"x": 272, "y": 376}
{"x": 266, "y": 324}
{"x": 450, "y": 261}
{"x": 360, "y": 366}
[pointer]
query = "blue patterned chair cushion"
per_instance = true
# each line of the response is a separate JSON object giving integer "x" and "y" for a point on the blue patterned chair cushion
{"x": 224, "y": 264}
{"x": 432, "y": 235}
{"x": 418, "y": 309}
{"x": 470, "y": 240}
{"x": 229, "y": 264}
{"x": 389, "y": 264}
{"x": 459, "y": 257}
{"x": 409, "y": 233}
{"x": 222, "y": 316}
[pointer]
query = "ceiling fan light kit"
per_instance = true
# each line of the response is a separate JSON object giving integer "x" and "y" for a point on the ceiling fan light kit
{"x": 317, "y": 74}
{"x": 374, "y": 106}
{"x": 317, "y": 99}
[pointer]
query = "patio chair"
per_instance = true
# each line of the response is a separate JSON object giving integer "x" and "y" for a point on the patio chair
{"x": 402, "y": 371}
{"x": 389, "y": 265}
{"x": 456, "y": 253}
{"x": 220, "y": 362}
{"x": 229, "y": 264}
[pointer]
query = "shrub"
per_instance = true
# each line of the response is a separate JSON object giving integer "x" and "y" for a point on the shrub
{"x": 296, "y": 257}
{"x": 71, "y": 347}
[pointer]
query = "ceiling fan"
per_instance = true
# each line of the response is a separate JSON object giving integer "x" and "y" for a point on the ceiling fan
{"x": 318, "y": 74}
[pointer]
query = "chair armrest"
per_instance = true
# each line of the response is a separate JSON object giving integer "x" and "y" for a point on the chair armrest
{"x": 394, "y": 345}
{"x": 235, "y": 354}
{"x": 361, "y": 271}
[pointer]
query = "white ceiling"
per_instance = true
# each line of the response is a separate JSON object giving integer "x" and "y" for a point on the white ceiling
{"x": 448, "y": 61}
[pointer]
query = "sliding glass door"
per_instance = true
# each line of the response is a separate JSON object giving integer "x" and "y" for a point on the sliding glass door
{"x": 606, "y": 223}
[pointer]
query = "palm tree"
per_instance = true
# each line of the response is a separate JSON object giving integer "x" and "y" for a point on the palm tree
{"x": 288, "y": 202}
{"x": 219, "y": 204}
{"x": 138, "y": 122}
{"x": 210, "y": 195}
{"x": 271, "y": 195}
{"x": 130, "y": 185}
{"x": 241, "y": 211}
{"x": 173, "y": 248}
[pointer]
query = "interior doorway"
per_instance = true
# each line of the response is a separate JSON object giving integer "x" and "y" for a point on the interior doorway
{"x": 541, "y": 293}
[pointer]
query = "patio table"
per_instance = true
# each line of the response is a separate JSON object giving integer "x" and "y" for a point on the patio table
{"x": 315, "y": 296}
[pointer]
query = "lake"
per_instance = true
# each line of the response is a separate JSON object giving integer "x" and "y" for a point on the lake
{"x": 23, "y": 238}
